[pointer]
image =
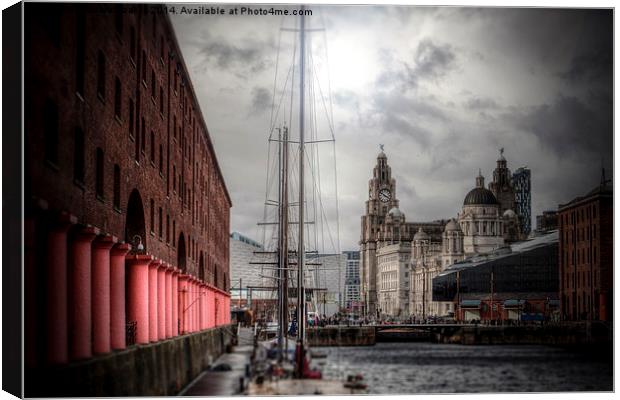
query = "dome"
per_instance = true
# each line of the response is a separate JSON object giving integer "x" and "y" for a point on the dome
{"x": 452, "y": 226}
{"x": 395, "y": 212}
{"x": 509, "y": 214}
{"x": 479, "y": 196}
{"x": 420, "y": 235}
{"x": 382, "y": 155}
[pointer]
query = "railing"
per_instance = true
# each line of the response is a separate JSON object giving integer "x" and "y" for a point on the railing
{"x": 130, "y": 332}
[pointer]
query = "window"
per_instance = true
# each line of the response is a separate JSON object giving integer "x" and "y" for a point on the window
{"x": 161, "y": 99}
{"x": 168, "y": 228}
{"x": 80, "y": 51}
{"x": 144, "y": 67}
{"x": 161, "y": 159}
{"x": 50, "y": 120}
{"x": 132, "y": 43}
{"x": 152, "y": 217}
{"x": 143, "y": 139}
{"x": 117, "y": 98}
{"x": 152, "y": 148}
{"x": 101, "y": 75}
{"x": 174, "y": 232}
{"x": 161, "y": 47}
{"x": 117, "y": 187}
{"x": 174, "y": 178}
{"x": 131, "y": 118}
{"x": 99, "y": 173}
{"x": 78, "y": 156}
{"x": 174, "y": 126}
{"x": 161, "y": 225}
{"x": 153, "y": 86}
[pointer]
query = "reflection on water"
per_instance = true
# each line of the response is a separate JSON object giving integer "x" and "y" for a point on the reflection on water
{"x": 403, "y": 368}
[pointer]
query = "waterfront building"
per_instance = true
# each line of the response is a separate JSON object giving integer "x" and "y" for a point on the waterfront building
{"x": 483, "y": 225}
{"x": 586, "y": 255}
{"x": 480, "y": 220}
{"x": 521, "y": 182}
{"x": 393, "y": 279}
{"x": 126, "y": 209}
{"x": 381, "y": 198}
{"x": 501, "y": 186}
{"x": 352, "y": 282}
{"x": 247, "y": 286}
{"x": 548, "y": 221}
{"x": 515, "y": 282}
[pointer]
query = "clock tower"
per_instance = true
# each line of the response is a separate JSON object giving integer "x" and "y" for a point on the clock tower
{"x": 381, "y": 199}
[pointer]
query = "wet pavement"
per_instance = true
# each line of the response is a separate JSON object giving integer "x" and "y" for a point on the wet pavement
{"x": 224, "y": 383}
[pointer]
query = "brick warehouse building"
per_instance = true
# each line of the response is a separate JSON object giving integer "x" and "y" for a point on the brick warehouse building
{"x": 127, "y": 213}
{"x": 586, "y": 255}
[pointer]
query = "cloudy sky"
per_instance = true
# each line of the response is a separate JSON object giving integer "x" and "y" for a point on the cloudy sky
{"x": 442, "y": 88}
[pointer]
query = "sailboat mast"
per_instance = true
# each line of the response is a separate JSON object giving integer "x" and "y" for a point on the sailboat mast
{"x": 301, "y": 303}
{"x": 284, "y": 251}
{"x": 281, "y": 249}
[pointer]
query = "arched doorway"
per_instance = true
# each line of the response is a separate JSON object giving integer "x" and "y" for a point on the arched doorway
{"x": 134, "y": 223}
{"x": 181, "y": 254}
{"x": 201, "y": 267}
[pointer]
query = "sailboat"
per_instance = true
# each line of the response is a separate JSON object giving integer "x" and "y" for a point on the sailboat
{"x": 296, "y": 263}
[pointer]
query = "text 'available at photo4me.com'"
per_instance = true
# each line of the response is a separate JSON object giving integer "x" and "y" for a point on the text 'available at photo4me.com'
{"x": 242, "y": 11}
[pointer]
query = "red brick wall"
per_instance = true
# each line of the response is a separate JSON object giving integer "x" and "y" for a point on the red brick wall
{"x": 586, "y": 258}
{"x": 201, "y": 209}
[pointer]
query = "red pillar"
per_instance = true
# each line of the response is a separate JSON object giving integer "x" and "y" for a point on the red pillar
{"x": 81, "y": 284}
{"x": 190, "y": 304}
{"x": 210, "y": 305}
{"x": 194, "y": 305}
{"x": 202, "y": 307}
{"x": 56, "y": 290}
{"x": 168, "y": 310}
{"x": 176, "y": 326}
{"x": 183, "y": 298}
{"x": 153, "y": 307}
{"x": 101, "y": 293}
{"x": 161, "y": 301}
{"x": 117, "y": 295}
{"x": 138, "y": 295}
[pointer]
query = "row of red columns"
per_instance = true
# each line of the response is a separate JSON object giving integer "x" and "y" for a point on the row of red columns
{"x": 85, "y": 294}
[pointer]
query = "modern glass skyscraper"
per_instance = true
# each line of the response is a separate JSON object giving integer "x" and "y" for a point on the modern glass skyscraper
{"x": 352, "y": 281}
{"x": 523, "y": 198}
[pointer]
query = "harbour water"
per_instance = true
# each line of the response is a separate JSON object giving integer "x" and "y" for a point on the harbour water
{"x": 417, "y": 368}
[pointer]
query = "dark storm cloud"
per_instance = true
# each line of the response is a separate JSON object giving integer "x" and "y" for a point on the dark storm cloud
{"x": 433, "y": 61}
{"x": 261, "y": 99}
{"x": 567, "y": 127}
{"x": 430, "y": 62}
{"x": 248, "y": 56}
{"x": 593, "y": 66}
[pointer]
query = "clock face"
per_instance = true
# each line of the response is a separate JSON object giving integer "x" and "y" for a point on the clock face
{"x": 385, "y": 195}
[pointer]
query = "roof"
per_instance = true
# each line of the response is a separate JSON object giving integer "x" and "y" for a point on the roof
{"x": 479, "y": 196}
{"x": 420, "y": 235}
{"x": 452, "y": 226}
{"x": 531, "y": 243}
{"x": 600, "y": 190}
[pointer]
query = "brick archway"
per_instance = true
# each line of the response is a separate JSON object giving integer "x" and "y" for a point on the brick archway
{"x": 134, "y": 223}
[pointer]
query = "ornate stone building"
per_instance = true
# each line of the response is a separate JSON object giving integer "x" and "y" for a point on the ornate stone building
{"x": 393, "y": 279}
{"x": 480, "y": 220}
{"x": 486, "y": 222}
